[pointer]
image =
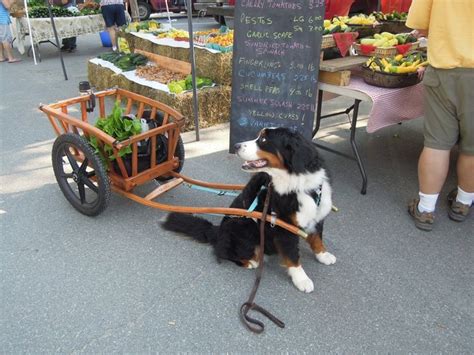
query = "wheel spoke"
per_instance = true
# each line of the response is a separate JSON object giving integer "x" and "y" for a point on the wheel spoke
{"x": 91, "y": 173}
{"x": 82, "y": 191}
{"x": 83, "y": 167}
{"x": 91, "y": 185}
{"x": 66, "y": 176}
{"x": 71, "y": 159}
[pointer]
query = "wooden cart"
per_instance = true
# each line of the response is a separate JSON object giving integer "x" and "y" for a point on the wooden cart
{"x": 87, "y": 179}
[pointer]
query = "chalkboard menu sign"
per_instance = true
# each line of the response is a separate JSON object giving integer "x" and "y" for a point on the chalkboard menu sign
{"x": 277, "y": 45}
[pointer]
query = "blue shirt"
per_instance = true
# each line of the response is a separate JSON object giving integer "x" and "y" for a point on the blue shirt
{"x": 4, "y": 15}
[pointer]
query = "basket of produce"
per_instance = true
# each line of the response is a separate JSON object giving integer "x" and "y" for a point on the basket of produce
{"x": 328, "y": 42}
{"x": 223, "y": 40}
{"x": 201, "y": 37}
{"x": 336, "y": 25}
{"x": 386, "y": 44}
{"x": 394, "y": 72}
{"x": 393, "y": 22}
{"x": 364, "y": 25}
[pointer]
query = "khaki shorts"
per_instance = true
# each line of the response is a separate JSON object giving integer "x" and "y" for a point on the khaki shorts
{"x": 449, "y": 109}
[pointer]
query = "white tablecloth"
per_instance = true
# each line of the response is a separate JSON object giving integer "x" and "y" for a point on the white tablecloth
{"x": 42, "y": 30}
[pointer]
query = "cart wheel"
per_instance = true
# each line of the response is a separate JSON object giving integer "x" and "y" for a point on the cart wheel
{"x": 178, "y": 153}
{"x": 85, "y": 183}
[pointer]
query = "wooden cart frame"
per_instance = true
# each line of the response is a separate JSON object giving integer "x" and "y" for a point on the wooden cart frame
{"x": 89, "y": 170}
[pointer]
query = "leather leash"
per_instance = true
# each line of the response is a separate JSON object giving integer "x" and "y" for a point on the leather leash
{"x": 253, "y": 324}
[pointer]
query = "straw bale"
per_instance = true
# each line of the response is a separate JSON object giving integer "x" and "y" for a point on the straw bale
{"x": 213, "y": 103}
{"x": 101, "y": 78}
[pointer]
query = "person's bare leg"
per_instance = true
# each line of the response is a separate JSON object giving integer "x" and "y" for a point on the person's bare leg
{"x": 113, "y": 36}
{"x": 465, "y": 169}
{"x": 7, "y": 47}
{"x": 433, "y": 168}
{"x": 2, "y": 56}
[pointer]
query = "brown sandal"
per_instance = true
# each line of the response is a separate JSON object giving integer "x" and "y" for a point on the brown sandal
{"x": 423, "y": 220}
{"x": 457, "y": 211}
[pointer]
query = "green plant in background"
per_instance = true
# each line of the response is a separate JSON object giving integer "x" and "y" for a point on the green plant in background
{"x": 120, "y": 128}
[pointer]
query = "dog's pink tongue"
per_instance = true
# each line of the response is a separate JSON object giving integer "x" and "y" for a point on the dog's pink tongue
{"x": 253, "y": 164}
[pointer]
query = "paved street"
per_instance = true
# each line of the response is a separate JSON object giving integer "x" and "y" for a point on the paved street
{"x": 119, "y": 283}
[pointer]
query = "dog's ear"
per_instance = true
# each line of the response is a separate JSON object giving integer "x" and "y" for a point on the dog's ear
{"x": 299, "y": 154}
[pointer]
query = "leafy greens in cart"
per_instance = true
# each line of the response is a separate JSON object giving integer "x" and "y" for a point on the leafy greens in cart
{"x": 119, "y": 127}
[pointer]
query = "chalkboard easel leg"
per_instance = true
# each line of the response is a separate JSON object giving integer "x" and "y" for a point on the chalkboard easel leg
{"x": 318, "y": 112}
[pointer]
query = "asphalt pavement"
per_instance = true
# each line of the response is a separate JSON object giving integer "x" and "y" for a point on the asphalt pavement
{"x": 119, "y": 283}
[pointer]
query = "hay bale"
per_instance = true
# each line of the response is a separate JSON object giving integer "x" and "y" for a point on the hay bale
{"x": 213, "y": 103}
{"x": 102, "y": 78}
{"x": 216, "y": 66}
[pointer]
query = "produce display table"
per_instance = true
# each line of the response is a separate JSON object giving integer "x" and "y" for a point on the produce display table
{"x": 389, "y": 107}
{"x": 209, "y": 63}
{"x": 42, "y": 29}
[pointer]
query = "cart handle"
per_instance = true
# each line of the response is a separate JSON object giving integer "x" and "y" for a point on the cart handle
{"x": 238, "y": 212}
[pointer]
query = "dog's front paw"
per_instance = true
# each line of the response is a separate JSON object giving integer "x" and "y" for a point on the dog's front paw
{"x": 326, "y": 258}
{"x": 252, "y": 264}
{"x": 300, "y": 279}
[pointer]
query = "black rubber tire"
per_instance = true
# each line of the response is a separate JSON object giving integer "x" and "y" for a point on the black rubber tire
{"x": 144, "y": 10}
{"x": 98, "y": 188}
{"x": 178, "y": 153}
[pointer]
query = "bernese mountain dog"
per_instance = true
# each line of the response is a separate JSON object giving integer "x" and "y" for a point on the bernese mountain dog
{"x": 301, "y": 196}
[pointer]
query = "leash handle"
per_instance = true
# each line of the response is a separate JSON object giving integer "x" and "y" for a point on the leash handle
{"x": 253, "y": 324}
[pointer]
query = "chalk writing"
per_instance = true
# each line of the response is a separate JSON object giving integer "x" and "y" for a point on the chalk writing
{"x": 275, "y": 65}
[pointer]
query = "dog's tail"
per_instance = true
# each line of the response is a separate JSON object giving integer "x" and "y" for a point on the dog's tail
{"x": 197, "y": 228}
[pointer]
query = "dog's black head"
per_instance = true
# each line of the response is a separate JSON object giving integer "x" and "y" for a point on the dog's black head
{"x": 279, "y": 148}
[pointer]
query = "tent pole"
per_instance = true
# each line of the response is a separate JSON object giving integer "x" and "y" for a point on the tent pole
{"x": 57, "y": 39}
{"x": 193, "y": 67}
{"x": 168, "y": 13}
{"x": 30, "y": 32}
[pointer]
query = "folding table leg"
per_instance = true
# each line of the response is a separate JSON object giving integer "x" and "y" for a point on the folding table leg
{"x": 355, "y": 149}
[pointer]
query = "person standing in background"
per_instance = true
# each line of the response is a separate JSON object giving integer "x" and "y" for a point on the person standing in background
{"x": 113, "y": 12}
{"x": 449, "y": 106}
{"x": 68, "y": 44}
{"x": 6, "y": 50}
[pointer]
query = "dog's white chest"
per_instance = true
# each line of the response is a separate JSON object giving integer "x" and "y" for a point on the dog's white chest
{"x": 310, "y": 210}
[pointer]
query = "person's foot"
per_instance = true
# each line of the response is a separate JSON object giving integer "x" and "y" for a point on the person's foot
{"x": 14, "y": 60}
{"x": 423, "y": 220}
{"x": 3, "y": 60}
{"x": 457, "y": 211}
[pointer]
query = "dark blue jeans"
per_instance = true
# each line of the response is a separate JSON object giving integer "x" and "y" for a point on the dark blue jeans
{"x": 69, "y": 42}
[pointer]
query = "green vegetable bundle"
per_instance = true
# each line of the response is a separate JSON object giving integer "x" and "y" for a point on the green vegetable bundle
{"x": 392, "y": 16}
{"x": 42, "y": 12}
{"x": 177, "y": 87}
{"x": 120, "y": 128}
{"x": 126, "y": 62}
